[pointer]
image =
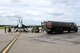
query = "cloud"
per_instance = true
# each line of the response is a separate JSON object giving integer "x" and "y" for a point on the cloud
{"x": 35, "y": 11}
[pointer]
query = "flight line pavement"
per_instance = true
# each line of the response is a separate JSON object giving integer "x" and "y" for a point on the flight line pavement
{"x": 42, "y": 42}
{"x": 5, "y": 38}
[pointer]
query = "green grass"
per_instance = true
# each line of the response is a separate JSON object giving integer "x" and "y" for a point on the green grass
{"x": 2, "y": 27}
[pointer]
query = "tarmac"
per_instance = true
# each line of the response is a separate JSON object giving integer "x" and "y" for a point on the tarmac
{"x": 41, "y": 42}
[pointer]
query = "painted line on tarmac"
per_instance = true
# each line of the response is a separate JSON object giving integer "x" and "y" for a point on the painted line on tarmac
{"x": 7, "y": 48}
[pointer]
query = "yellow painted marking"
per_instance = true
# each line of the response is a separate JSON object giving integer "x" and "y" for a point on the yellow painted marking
{"x": 14, "y": 39}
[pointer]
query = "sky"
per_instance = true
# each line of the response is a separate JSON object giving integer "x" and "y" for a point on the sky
{"x": 33, "y": 12}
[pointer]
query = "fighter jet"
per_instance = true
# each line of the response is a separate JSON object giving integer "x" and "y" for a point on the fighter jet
{"x": 20, "y": 26}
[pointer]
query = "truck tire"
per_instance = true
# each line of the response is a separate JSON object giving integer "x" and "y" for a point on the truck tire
{"x": 57, "y": 31}
{"x": 61, "y": 31}
{"x": 69, "y": 31}
{"x": 49, "y": 32}
{"x": 76, "y": 30}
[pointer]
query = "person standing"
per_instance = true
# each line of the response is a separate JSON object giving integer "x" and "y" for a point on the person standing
{"x": 5, "y": 29}
{"x": 9, "y": 29}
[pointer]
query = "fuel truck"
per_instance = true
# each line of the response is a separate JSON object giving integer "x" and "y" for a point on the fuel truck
{"x": 59, "y": 27}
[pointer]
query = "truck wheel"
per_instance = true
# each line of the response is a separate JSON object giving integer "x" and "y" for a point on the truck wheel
{"x": 57, "y": 31}
{"x": 69, "y": 31}
{"x": 76, "y": 30}
{"x": 60, "y": 32}
{"x": 49, "y": 32}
